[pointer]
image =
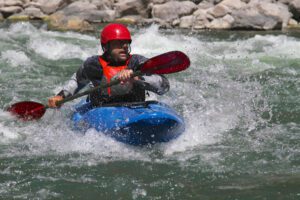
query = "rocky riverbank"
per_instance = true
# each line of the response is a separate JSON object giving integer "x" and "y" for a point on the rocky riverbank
{"x": 82, "y": 15}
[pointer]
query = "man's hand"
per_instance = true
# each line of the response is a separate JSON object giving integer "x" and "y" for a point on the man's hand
{"x": 126, "y": 75}
{"x": 52, "y": 101}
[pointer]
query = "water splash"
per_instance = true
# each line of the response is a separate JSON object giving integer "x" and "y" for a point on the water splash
{"x": 216, "y": 95}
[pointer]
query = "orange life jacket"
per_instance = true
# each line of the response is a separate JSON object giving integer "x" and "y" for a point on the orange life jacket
{"x": 110, "y": 71}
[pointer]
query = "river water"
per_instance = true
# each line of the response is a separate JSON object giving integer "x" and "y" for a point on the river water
{"x": 239, "y": 98}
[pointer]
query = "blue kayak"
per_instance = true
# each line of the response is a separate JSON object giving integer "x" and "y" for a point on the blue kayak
{"x": 134, "y": 123}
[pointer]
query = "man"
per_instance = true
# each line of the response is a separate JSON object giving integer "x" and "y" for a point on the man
{"x": 115, "y": 62}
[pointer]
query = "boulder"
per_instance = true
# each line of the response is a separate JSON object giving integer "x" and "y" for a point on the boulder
{"x": 219, "y": 11}
{"x": 98, "y": 16}
{"x": 103, "y": 4}
{"x": 186, "y": 21}
{"x": 215, "y": 1}
{"x": 279, "y": 11}
{"x": 233, "y": 4}
{"x": 59, "y": 21}
{"x": 292, "y": 23}
{"x": 52, "y": 6}
{"x": 131, "y": 7}
{"x": 174, "y": 9}
{"x": 33, "y": 13}
{"x": 295, "y": 9}
{"x": 32, "y": 4}
{"x": 201, "y": 19}
{"x": 79, "y": 7}
{"x": 222, "y": 23}
{"x": 75, "y": 23}
{"x": 8, "y": 3}
{"x": 18, "y": 17}
{"x": 205, "y": 5}
{"x": 251, "y": 18}
{"x": 158, "y": 1}
{"x": 285, "y": 1}
{"x": 88, "y": 12}
{"x": 10, "y": 10}
{"x": 26, "y": 1}
{"x": 130, "y": 19}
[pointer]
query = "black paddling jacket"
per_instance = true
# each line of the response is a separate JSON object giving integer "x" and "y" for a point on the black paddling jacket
{"x": 91, "y": 72}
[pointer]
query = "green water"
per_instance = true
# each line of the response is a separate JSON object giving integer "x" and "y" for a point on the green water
{"x": 239, "y": 99}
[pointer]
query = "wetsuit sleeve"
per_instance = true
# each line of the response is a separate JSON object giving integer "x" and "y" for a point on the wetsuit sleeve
{"x": 158, "y": 84}
{"x": 81, "y": 78}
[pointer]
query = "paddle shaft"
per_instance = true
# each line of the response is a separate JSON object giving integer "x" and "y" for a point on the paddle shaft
{"x": 114, "y": 82}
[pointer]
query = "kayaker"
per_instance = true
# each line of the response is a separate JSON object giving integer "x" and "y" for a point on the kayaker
{"x": 115, "y": 62}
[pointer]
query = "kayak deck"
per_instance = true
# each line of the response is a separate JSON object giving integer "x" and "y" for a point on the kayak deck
{"x": 135, "y": 123}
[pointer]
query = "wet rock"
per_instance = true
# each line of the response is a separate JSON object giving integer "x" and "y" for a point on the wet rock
{"x": 186, "y": 21}
{"x": 176, "y": 22}
{"x": 59, "y": 21}
{"x": 292, "y": 23}
{"x": 166, "y": 11}
{"x": 130, "y": 19}
{"x": 27, "y": 14}
{"x": 18, "y": 17}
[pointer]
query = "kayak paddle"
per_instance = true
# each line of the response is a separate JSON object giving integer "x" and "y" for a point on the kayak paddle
{"x": 167, "y": 63}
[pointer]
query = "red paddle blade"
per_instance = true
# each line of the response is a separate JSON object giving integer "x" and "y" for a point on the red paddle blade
{"x": 27, "y": 110}
{"x": 167, "y": 63}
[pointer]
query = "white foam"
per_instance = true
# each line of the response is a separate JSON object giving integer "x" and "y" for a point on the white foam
{"x": 22, "y": 28}
{"x": 54, "y": 49}
{"x": 7, "y": 135}
{"x": 49, "y": 44}
{"x": 53, "y": 135}
{"x": 211, "y": 102}
{"x": 151, "y": 42}
{"x": 16, "y": 58}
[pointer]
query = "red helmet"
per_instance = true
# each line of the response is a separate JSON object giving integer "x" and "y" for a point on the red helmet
{"x": 114, "y": 32}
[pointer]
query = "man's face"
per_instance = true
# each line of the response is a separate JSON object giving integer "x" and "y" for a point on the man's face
{"x": 119, "y": 50}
